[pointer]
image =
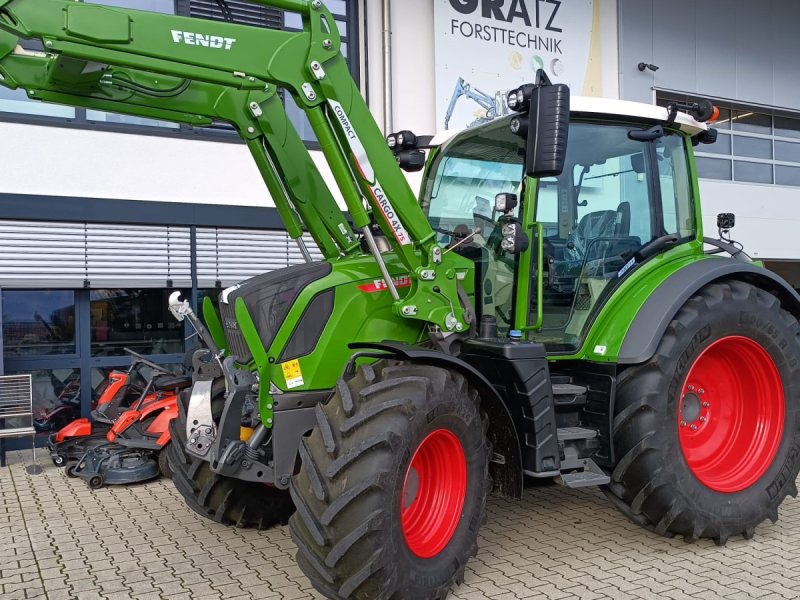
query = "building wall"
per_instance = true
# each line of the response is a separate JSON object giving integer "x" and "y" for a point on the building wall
{"x": 732, "y": 50}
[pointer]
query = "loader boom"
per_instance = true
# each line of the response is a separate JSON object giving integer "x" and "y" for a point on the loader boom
{"x": 196, "y": 71}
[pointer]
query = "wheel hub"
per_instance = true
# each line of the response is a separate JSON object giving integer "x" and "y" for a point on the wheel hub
{"x": 691, "y": 408}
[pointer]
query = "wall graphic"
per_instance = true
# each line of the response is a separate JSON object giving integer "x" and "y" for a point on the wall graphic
{"x": 484, "y": 48}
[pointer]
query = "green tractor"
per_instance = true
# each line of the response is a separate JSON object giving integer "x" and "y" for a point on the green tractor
{"x": 548, "y": 308}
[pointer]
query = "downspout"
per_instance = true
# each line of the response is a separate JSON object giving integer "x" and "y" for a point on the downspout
{"x": 388, "y": 125}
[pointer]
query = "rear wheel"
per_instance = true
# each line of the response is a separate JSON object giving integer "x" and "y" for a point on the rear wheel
{"x": 706, "y": 433}
{"x": 222, "y": 499}
{"x": 393, "y": 485}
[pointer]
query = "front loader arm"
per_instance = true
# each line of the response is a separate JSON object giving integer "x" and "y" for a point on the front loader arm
{"x": 308, "y": 64}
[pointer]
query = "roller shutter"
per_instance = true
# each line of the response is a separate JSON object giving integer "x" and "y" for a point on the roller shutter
{"x": 229, "y": 256}
{"x": 75, "y": 255}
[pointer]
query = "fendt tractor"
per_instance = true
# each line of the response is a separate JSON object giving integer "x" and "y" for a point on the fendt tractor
{"x": 547, "y": 308}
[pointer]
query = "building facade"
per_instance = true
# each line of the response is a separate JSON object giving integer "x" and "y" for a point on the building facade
{"x": 102, "y": 215}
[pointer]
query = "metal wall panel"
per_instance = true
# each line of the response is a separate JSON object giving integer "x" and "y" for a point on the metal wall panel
{"x": 731, "y": 49}
{"x": 674, "y": 46}
{"x": 716, "y": 73}
{"x": 635, "y": 46}
{"x": 786, "y": 53}
{"x": 754, "y": 68}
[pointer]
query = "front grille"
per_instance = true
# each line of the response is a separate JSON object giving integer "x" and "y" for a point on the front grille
{"x": 233, "y": 335}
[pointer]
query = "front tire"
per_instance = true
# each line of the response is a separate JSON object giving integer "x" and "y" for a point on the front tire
{"x": 707, "y": 433}
{"x": 226, "y": 500}
{"x": 393, "y": 485}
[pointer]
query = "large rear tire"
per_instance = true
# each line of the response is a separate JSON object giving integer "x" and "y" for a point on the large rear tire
{"x": 393, "y": 484}
{"x": 225, "y": 500}
{"x": 707, "y": 433}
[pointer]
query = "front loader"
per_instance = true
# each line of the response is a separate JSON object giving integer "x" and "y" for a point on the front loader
{"x": 548, "y": 308}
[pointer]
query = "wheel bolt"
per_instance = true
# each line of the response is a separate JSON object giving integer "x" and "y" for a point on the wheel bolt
{"x": 693, "y": 427}
{"x": 702, "y": 419}
{"x": 706, "y": 404}
{"x": 683, "y": 423}
{"x": 701, "y": 391}
{"x": 691, "y": 388}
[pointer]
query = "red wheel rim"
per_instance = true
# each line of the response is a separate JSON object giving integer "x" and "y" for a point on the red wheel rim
{"x": 433, "y": 493}
{"x": 731, "y": 413}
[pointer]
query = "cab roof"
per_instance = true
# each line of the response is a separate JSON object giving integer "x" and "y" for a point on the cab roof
{"x": 588, "y": 106}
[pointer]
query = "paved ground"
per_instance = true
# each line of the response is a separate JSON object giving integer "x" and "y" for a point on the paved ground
{"x": 59, "y": 540}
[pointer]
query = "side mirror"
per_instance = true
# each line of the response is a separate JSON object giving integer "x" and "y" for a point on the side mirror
{"x": 545, "y": 124}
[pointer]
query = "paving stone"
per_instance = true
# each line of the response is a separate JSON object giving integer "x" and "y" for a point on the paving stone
{"x": 62, "y": 541}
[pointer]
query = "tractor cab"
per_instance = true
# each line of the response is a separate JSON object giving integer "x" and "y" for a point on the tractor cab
{"x": 626, "y": 186}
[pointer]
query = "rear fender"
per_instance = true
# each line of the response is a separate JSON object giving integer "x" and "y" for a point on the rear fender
{"x": 655, "y": 315}
{"x": 506, "y": 473}
{"x": 78, "y": 428}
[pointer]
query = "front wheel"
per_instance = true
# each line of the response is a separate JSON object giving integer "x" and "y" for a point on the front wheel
{"x": 226, "y": 500}
{"x": 393, "y": 485}
{"x": 707, "y": 433}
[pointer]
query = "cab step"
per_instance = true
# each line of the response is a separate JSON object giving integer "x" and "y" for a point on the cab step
{"x": 575, "y": 433}
{"x": 591, "y": 476}
{"x": 568, "y": 394}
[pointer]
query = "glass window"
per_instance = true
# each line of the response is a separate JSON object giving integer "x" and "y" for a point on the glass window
{"x": 787, "y": 151}
{"x": 752, "y": 172}
{"x": 459, "y": 201}
{"x": 596, "y": 215}
{"x": 676, "y": 193}
{"x": 747, "y": 135}
{"x": 787, "y": 175}
{"x": 721, "y": 146}
{"x": 724, "y": 120}
{"x": 752, "y": 147}
{"x": 752, "y": 122}
{"x": 38, "y": 323}
{"x": 135, "y": 319}
{"x": 787, "y": 127}
{"x": 16, "y": 101}
{"x": 56, "y": 398}
{"x": 714, "y": 168}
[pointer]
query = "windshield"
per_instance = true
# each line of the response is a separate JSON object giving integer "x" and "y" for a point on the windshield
{"x": 458, "y": 199}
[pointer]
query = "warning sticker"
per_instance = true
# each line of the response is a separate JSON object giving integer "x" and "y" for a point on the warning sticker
{"x": 292, "y": 374}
